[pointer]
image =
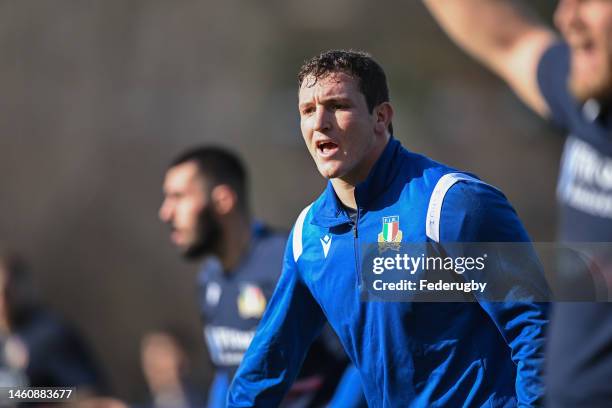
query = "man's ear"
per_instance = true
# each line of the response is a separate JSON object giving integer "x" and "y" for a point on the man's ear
{"x": 223, "y": 199}
{"x": 383, "y": 114}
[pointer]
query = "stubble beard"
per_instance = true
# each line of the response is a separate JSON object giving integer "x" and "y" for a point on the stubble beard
{"x": 601, "y": 90}
{"x": 208, "y": 236}
{"x": 597, "y": 87}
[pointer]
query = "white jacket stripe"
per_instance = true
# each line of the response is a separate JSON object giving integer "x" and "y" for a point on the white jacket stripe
{"x": 297, "y": 233}
{"x": 434, "y": 211}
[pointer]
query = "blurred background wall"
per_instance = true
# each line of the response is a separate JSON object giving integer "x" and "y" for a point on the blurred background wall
{"x": 96, "y": 96}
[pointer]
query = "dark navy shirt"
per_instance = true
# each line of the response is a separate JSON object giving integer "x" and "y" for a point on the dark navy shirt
{"x": 231, "y": 304}
{"x": 579, "y": 362}
{"x": 585, "y": 182}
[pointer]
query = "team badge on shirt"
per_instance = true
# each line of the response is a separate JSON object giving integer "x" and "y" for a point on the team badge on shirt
{"x": 391, "y": 236}
{"x": 251, "y": 302}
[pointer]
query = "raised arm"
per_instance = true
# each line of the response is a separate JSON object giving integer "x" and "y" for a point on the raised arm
{"x": 290, "y": 323}
{"x": 503, "y": 36}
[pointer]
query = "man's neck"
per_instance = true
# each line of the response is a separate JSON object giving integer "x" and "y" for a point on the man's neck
{"x": 236, "y": 240}
{"x": 345, "y": 192}
{"x": 345, "y": 186}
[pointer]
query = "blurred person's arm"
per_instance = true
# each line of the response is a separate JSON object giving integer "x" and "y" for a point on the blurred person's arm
{"x": 289, "y": 325}
{"x": 501, "y": 35}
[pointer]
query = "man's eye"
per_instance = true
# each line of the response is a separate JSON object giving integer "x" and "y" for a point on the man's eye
{"x": 337, "y": 106}
{"x": 307, "y": 111}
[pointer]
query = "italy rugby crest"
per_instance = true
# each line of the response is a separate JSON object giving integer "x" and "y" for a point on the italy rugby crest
{"x": 391, "y": 236}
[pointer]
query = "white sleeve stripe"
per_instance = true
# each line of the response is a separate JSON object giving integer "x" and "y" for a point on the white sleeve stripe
{"x": 297, "y": 233}
{"x": 434, "y": 211}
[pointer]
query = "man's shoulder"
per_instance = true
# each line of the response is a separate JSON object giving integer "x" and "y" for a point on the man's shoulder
{"x": 269, "y": 245}
{"x": 420, "y": 169}
{"x": 552, "y": 78}
{"x": 471, "y": 192}
{"x": 211, "y": 269}
{"x": 555, "y": 59}
{"x": 306, "y": 214}
{"x": 264, "y": 234}
{"x": 475, "y": 211}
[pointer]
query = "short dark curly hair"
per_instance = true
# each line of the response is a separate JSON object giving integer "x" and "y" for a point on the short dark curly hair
{"x": 219, "y": 165}
{"x": 357, "y": 64}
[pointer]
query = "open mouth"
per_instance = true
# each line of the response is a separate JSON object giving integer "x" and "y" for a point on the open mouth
{"x": 586, "y": 48}
{"x": 326, "y": 147}
{"x": 586, "y": 57}
{"x": 582, "y": 44}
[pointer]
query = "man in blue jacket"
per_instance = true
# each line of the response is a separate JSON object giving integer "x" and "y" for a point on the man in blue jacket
{"x": 407, "y": 353}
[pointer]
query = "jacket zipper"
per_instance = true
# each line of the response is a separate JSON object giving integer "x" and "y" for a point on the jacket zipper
{"x": 356, "y": 247}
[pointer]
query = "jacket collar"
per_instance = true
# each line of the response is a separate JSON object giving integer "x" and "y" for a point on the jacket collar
{"x": 330, "y": 212}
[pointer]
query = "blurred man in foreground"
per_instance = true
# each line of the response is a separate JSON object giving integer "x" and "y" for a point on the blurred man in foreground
{"x": 206, "y": 205}
{"x": 568, "y": 81}
{"x": 407, "y": 353}
{"x": 37, "y": 348}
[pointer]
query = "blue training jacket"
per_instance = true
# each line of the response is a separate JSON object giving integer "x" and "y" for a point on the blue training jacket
{"x": 407, "y": 353}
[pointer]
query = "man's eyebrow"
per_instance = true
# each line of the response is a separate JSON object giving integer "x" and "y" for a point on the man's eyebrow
{"x": 330, "y": 98}
{"x": 305, "y": 105}
{"x": 336, "y": 98}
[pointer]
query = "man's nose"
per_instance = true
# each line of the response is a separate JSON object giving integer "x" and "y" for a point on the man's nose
{"x": 322, "y": 119}
{"x": 165, "y": 211}
{"x": 566, "y": 14}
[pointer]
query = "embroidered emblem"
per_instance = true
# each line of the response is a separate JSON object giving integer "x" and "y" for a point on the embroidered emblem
{"x": 391, "y": 236}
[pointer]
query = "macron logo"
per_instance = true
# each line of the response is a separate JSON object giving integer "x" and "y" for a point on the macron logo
{"x": 326, "y": 243}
